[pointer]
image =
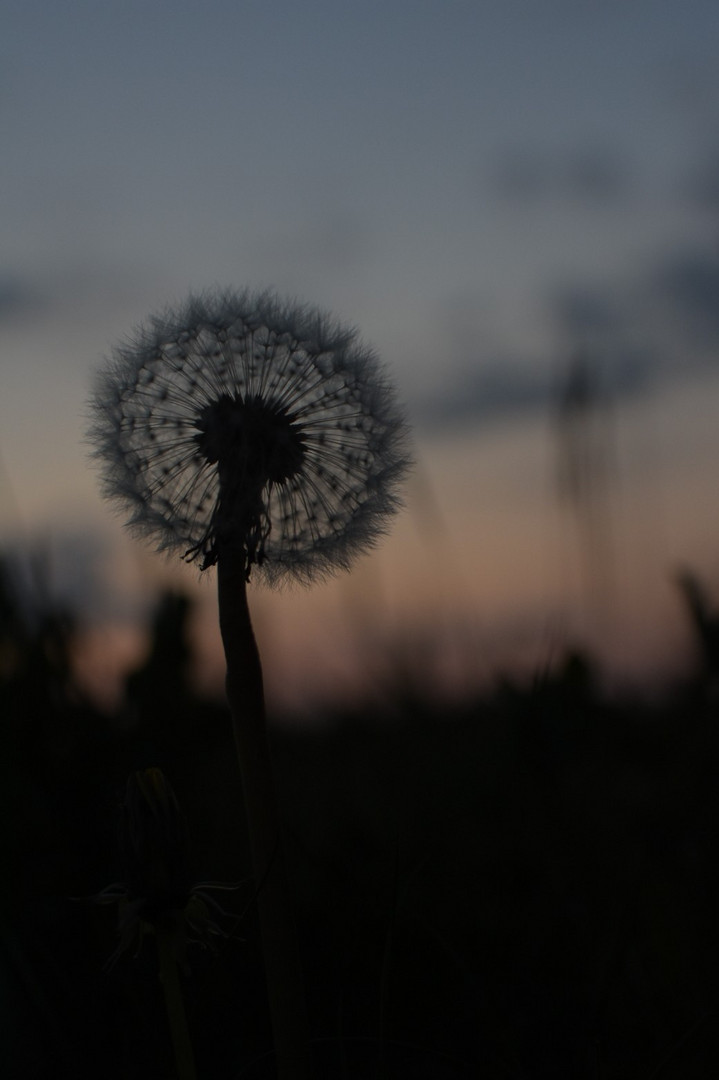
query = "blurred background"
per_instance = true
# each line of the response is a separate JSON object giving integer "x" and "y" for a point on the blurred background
{"x": 516, "y": 203}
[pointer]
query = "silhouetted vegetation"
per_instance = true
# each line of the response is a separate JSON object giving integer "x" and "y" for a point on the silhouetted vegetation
{"x": 525, "y": 885}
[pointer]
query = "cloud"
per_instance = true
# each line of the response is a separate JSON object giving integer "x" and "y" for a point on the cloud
{"x": 18, "y": 298}
{"x": 590, "y": 176}
{"x": 489, "y": 392}
{"x": 586, "y": 311}
{"x": 660, "y": 326}
{"x": 606, "y": 322}
{"x": 688, "y": 283}
{"x": 701, "y": 188}
{"x": 499, "y": 392}
{"x": 669, "y": 311}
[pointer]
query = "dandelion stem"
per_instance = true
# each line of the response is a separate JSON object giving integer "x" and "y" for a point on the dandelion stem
{"x": 279, "y": 937}
{"x": 169, "y": 977}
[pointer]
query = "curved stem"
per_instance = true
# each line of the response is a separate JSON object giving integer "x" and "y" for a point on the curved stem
{"x": 279, "y": 937}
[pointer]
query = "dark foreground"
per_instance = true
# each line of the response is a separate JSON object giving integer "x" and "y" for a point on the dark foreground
{"x": 523, "y": 887}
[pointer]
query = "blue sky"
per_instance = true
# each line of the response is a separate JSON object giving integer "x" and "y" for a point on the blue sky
{"x": 481, "y": 187}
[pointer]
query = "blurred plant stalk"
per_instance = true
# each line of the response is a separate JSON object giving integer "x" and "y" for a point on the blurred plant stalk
{"x": 170, "y": 980}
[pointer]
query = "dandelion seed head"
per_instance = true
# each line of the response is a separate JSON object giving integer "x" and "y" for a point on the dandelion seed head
{"x": 242, "y": 420}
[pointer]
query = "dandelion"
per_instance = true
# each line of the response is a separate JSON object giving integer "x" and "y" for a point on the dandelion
{"x": 243, "y": 421}
{"x": 261, "y": 437}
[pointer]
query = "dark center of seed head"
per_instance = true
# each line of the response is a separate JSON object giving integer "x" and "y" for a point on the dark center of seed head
{"x": 253, "y": 442}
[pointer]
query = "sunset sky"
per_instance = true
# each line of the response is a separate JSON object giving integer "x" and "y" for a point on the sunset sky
{"x": 486, "y": 189}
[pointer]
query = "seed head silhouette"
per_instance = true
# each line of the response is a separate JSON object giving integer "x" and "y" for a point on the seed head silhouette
{"x": 245, "y": 421}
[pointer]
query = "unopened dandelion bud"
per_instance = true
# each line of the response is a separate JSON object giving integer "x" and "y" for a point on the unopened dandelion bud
{"x": 153, "y": 842}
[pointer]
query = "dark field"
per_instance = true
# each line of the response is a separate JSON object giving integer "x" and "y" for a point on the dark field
{"x": 522, "y": 887}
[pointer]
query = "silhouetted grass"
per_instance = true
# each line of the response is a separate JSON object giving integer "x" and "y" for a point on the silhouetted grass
{"x": 523, "y": 886}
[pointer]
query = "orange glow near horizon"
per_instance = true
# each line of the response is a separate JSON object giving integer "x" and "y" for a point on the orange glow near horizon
{"x": 483, "y": 572}
{"x": 479, "y": 249}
